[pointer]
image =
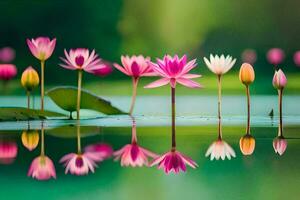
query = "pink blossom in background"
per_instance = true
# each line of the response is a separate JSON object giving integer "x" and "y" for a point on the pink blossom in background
{"x": 101, "y": 150}
{"x": 279, "y": 145}
{"x": 42, "y": 168}
{"x": 104, "y": 71}
{"x": 8, "y": 151}
{"x": 135, "y": 66}
{"x": 7, "y": 54}
{"x": 82, "y": 59}
{"x": 41, "y": 47}
{"x": 79, "y": 164}
{"x": 297, "y": 58}
{"x": 7, "y": 71}
{"x": 174, "y": 70}
{"x": 173, "y": 161}
{"x": 249, "y": 56}
{"x": 275, "y": 56}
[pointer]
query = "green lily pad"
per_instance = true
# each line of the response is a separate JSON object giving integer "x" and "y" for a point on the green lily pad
{"x": 66, "y": 98}
{"x": 70, "y": 131}
{"x": 19, "y": 113}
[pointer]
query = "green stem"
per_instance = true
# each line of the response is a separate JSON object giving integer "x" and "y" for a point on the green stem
{"x": 134, "y": 91}
{"x": 173, "y": 119}
{"x": 280, "y": 129}
{"x": 248, "y": 110}
{"x": 42, "y": 140}
{"x": 219, "y": 106}
{"x": 133, "y": 136}
{"x": 28, "y": 99}
{"x": 78, "y": 137}
{"x": 79, "y": 93}
{"x": 42, "y": 84}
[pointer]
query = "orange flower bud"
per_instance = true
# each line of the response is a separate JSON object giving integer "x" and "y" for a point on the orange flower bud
{"x": 247, "y": 144}
{"x": 246, "y": 75}
{"x": 30, "y": 139}
{"x": 30, "y": 79}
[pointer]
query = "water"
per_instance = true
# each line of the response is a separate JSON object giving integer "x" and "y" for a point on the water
{"x": 263, "y": 175}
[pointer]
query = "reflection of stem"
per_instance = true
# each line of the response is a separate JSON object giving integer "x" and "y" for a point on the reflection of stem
{"x": 42, "y": 84}
{"x": 134, "y": 90}
{"x": 173, "y": 119}
{"x": 248, "y": 110}
{"x": 219, "y": 106}
{"x": 79, "y": 92}
{"x": 42, "y": 140}
{"x": 280, "y": 129}
{"x": 133, "y": 136}
{"x": 28, "y": 99}
{"x": 78, "y": 137}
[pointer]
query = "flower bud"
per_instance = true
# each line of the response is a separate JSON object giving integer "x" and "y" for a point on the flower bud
{"x": 247, "y": 144}
{"x": 30, "y": 139}
{"x": 279, "y": 80}
{"x": 30, "y": 79}
{"x": 279, "y": 145}
{"x": 246, "y": 75}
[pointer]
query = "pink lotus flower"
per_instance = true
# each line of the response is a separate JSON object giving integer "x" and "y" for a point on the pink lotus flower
{"x": 275, "y": 56}
{"x": 8, "y": 151}
{"x": 174, "y": 70}
{"x": 41, "y": 47}
{"x": 101, "y": 151}
{"x": 220, "y": 149}
{"x": 80, "y": 164}
{"x": 42, "y": 168}
{"x": 7, "y": 54}
{"x": 135, "y": 66}
{"x": 174, "y": 161}
{"x": 249, "y": 56}
{"x": 279, "y": 79}
{"x": 132, "y": 154}
{"x": 297, "y": 58}
{"x": 279, "y": 145}
{"x": 82, "y": 59}
{"x": 7, "y": 71}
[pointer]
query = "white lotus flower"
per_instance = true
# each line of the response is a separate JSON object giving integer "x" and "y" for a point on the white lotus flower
{"x": 220, "y": 149}
{"x": 219, "y": 65}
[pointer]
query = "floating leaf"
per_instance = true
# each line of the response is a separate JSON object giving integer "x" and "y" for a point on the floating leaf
{"x": 66, "y": 98}
{"x": 70, "y": 131}
{"x": 19, "y": 113}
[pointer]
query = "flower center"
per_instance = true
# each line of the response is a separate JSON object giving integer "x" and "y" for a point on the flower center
{"x": 79, "y": 60}
{"x": 79, "y": 162}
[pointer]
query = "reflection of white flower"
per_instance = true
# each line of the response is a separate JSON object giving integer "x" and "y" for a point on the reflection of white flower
{"x": 219, "y": 65}
{"x": 220, "y": 149}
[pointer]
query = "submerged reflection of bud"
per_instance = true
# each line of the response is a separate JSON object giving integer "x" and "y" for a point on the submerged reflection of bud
{"x": 247, "y": 144}
{"x": 30, "y": 139}
{"x": 279, "y": 145}
{"x": 8, "y": 151}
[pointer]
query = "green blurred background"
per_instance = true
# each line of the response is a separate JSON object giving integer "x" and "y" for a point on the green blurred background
{"x": 154, "y": 28}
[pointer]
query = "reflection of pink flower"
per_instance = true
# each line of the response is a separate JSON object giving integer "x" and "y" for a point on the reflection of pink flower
{"x": 42, "y": 168}
{"x": 7, "y": 54}
{"x": 174, "y": 70}
{"x": 79, "y": 164}
{"x": 297, "y": 58}
{"x": 8, "y": 151}
{"x": 135, "y": 66}
{"x": 41, "y": 47}
{"x": 220, "y": 149}
{"x": 279, "y": 145}
{"x": 7, "y": 71}
{"x": 102, "y": 151}
{"x": 173, "y": 161}
{"x": 275, "y": 56}
{"x": 133, "y": 155}
{"x": 82, "y": 59}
